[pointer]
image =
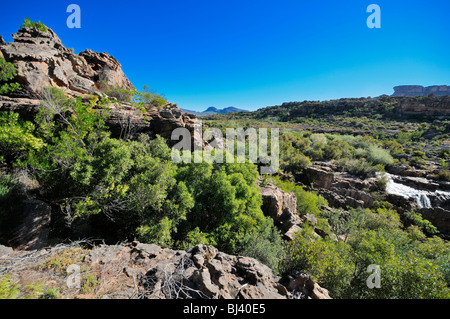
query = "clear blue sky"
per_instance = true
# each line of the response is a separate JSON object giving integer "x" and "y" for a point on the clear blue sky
{"x": 252, "y": 54}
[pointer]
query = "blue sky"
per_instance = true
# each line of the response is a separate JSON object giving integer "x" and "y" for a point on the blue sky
{"x": 252, "y": 54}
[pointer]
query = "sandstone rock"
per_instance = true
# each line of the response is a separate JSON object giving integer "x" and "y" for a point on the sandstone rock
{"x": 428, "y": 106}
{"x": 302, "y": 286}
{"x": 405, "y": 170}
{"x": 42, "y": 60}
{"x": 281, "y": 207}
{"x": 339, "y": 189}
{"x": 136, "y": 270}
{"x": 318, "y": 177}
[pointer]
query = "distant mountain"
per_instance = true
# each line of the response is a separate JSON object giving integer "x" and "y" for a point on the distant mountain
{"x": 213, "y": 110}
{"x": 419, "y": 90}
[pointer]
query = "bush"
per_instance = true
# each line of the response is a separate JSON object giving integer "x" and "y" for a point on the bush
{"x": 27, "y": 23}
{"x": 16, "y": 137}
{"x": 377, "y": 155}
{"x": 7, "y": 73}
{"x": 358, "y": 167}
{"x": 443, "y": 175}
{"x": 148, "y": 98}
{"x": 264, "y": 244}
{"x": 327, "y": 261}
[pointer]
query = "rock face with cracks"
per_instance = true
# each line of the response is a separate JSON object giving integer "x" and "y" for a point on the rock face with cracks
{"x": 42, "y": 60}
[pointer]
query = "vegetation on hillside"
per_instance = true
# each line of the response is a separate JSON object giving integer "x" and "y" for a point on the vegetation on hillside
{"x": 122, "y": 190}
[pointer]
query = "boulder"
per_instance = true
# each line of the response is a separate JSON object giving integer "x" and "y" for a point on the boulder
{"x": 282, "y": 208}
{"x": 302, "y": 286}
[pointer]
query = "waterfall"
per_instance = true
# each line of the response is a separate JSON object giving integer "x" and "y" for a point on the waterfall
{"x": 422, "y": 200}
{"x": 420, "y": 196}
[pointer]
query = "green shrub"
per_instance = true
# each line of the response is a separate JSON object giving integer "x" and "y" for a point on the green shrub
{"x": 27, "y": 23}
{"x": 16, "y": 137}
{"x": 328, "y": 262}
{"x": 358, "y": 167}
{"x": 8, "y": 290}
{"x": 264, "y": 244}
{"x": 7, "y": 73}
{"x": 148, "y": 98}
{"x": 377, "y": 155}
{"x": 443, "y": 175}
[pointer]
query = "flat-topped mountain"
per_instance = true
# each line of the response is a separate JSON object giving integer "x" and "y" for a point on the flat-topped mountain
{"x": 419, "y": 90}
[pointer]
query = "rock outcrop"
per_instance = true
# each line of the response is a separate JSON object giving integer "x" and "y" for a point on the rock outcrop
{"x": 42, "y": 60}
{"x": 137, "y": 270}
{"x": 427, "y": 106}
{"x": 339, "y": 189}
{"x": 419, "y": 90}
{"x": 282, "y": 208}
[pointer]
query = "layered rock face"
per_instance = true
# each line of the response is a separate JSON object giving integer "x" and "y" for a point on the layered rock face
{"x": 418, "y": 90}
{"x": 339, "y": 189}
{"x": 42, "y": 60}
{"x": 428, "y": 106}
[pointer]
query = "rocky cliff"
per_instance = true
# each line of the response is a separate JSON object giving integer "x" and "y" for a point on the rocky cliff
{"x": 418, "y": 90}
{"x": 42, "y": 60}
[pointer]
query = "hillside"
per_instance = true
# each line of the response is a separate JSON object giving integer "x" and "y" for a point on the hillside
{"x": 361, "y": 183}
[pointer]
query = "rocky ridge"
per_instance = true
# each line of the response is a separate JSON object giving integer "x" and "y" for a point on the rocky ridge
{"x": 42, "y": 60}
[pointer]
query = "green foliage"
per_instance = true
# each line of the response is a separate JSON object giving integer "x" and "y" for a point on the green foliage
{"x": 8, "y": 290}
{"x": 121, "y": 95}
{"x": 377, "y": 155}
{"x": 264, "y": 244}
{"x": 443, "y": 175}
{"x": 7, "y": 73}
{"x": 52, "y": 293}
{"x": 27, "y": 23}
{"x": 412, "y": 266}
{"x": 227, "y": 202}
{"x": 307, "y": 202}
{"x": 424, "y": 224}
{"x": 359, "y": 167}
{"x": 327, "y": 261}
{"x": 17, "y": 137}
{"x": 149, "y": 98}
{"x": 14, "y": 290}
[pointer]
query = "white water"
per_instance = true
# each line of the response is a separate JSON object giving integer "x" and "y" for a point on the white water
{"x": 420, "y": 196}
